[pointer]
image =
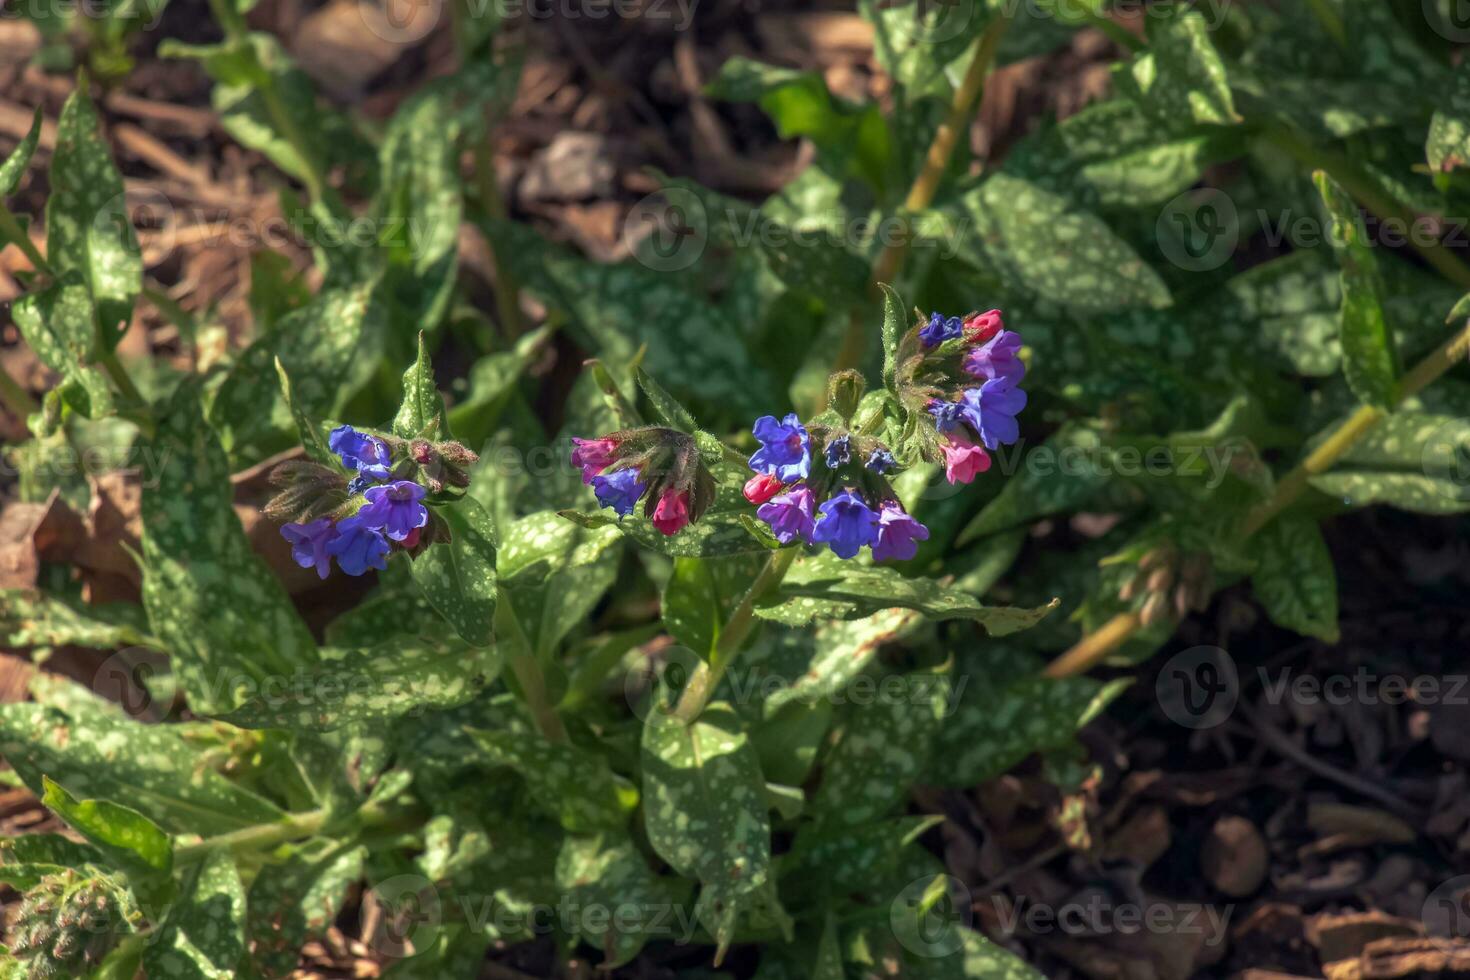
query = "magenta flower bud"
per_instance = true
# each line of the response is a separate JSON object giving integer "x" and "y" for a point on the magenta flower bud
{"x": 672, "y": 512}
{"x": 762, "y": 487}
{"x": 963, "y": 460}
{"x": 980, "y": 327}
{"x": 593, "y": 456}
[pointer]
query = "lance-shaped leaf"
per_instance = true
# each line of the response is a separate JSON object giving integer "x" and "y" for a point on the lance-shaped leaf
{"x": 554, "y": 574}
{"x": 421, "y": 413}
{"x": 212, "y": 601}
{"x": 1448, "y": 145}
{"x": 14, "y": 167}
{"x": 823, "y": 586}
{"x": 701, "y": 594}
{"x": 605, "y": 871}
{"x": 36, "y": 619}
{"x": 1180, "y": 77}
{"x": 314, "y": 437}
{"x": 1409, "y": 460}
{"x": 883, "y": 748}
{"x": 149, "y": 768}
{"x": 1295, "y": 580}
{"x": 372, "y": 686}
{"x": 458, "y": 576}
{"x": 59, "y": 324}
{"x": 203, "y": 937}
{"x": 1369, "y": 356}
{"x": 128, "y": 840}
{"x": 705, "y": 811}
{"x": 997, "y": 724}
{"x": 575, "y": 784}
{"x": 834, "y": 858}
{"x": 87, "y": 228}
{"x": 298, "y": 897}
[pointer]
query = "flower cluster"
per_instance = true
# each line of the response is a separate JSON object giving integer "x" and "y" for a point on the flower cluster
{"x": 837, "y": 496}
{"x": 67, "y": 924}
{"x": 361, "y": 521}
{"x": 982, "y": 414}
{"x": 659, "y": 466}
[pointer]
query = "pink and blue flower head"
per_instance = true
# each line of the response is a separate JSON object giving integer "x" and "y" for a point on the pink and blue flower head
{"x": 593, "y": 456}
{"x": 358, "y": 547}
{"x": 671, "y": 514}
{"x": 838, "y": 452}
{"x": 791, "y": 515}
{"x": 397, "y": 508}
{"x": 309, "y": 544}
{"x": 991, "y": 410}
{"x": 619, "y": 490}
{"x": 898, "y": 534}
{"x": 786, "y": 448}
{"x": 846, "y": 524}
{"x": 367, "y": 454}
{"x": 997, "y": 359}
{"x": 941, "y": 328}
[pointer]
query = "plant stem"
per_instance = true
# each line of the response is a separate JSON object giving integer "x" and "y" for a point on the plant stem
{"x": 1368, "y": 192}
{"x": 1094, "y": 647}
{"x": 10, "y": 229}
{"x": 119, "y": 375}
{"x": 256, "y": 838}
{"x": 533, "y": 686}
{"x": 707, "y": 675}
{"x": 921, "y": 194}
{"x": 507, "y": 290}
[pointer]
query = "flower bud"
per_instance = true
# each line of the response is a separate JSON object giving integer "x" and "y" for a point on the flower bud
{"x": 761, "y": 488}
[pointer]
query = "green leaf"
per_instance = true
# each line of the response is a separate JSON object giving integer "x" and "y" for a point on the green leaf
{"x": 665, "y": 406}
{"x": 575, "y": 784}
{"x": 422, "y": 412}
{"x": 605, "y": 871}
{"x": 314, "y": 439}
{"x": 1415, "y": 492}
{"x": 212, "y": 601}
{"x": 1035, "y": 241}
{"x": 298, "y": 897}
{"x": 458, "y": 576}
{"x": 36, "y": 619}
{"x": 694, "y": 348}
{"x": 814, "y": 665}
{"x": 832, "y": 859}
{"x": 997, "y": 724}
{"x": 1370, "y": 359}
{"x": 1295, "y": 580}
{"x": 128, "y": 840}
{"x": 15, "y": 165}
{"x": 48, "y": 849}
{"x": 87, "y": 228}
{"x": 1180, "y": 76}
{"x": 148, "y": 768}
{"x": 59, "y": 324}
{"x": 554, "y": 574}
{"x": 203, "y": 937}
{"x": 704, "y": 809}
{"x": 701, "y": 594}
{"x": 894, "y": 324}
{"x": 372, "y": 686}
{"x": 883, "y": 747}
{"x": 1448, "y": 145}
{"x": 1041, "y": 487}
{"x": 719, "y": 533}
{"x": 827, "y": 587}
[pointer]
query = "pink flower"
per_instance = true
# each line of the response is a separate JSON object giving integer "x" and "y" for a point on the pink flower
{"x": 593, "y": 455}
{"x": 963, "y": 460}
{"x": 980, "y": 327}
{"x": 762, "y": 487}
{"x": 672, "y": 512}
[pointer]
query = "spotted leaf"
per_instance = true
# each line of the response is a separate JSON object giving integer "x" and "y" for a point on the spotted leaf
{"x": 575, "y": 784}
{"x": 203, "y": 937}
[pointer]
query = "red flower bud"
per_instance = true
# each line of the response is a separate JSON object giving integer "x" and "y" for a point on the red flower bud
{"x": 980, "y": 327}
{"x": 672, "y": 512}
{"x": 762, "y": 487}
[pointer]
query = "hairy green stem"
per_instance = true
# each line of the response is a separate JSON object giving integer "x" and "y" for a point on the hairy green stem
{"x": 10, "y": 229}
{"x": 707, "y": 675}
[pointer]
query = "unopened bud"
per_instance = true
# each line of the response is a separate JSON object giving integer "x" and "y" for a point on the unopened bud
{"x": 1155, "y": 609}
{"x": 458, "y": 454}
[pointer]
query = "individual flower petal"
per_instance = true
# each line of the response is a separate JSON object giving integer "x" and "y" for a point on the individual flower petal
{"x": 790, "y": 515}
{"x": 358, "y": 547}
{"x": 619, "y": 490}
{"x": 786, "y": 448}
{"x": 880, "y": 461}
{"x": 898, "y": 534}
{"x": 991, "y": 410}
{"x": 367, "y": 454}
{"x": 396, "y": 508}
{"x": 593, "y": 456}
{"x": 997, "y": 358}
{"x": 963, "y": 460}
{"x": 672, "y": 512}
{"x": 762, "y": 487}
{"x": 838, "y": 452}
{"x": 980, "y": 327}
{"x": 947, "y": 415}
{"x": 309, "y": 544}
{"x": 940, "y": 328}
{"x": 846, "y": 524}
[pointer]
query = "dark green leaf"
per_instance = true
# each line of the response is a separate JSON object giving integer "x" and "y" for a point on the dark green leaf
{"x": 1370, "y": 358}
{"x": 128, "y": 840}
{"x": 458, "y": 576}
{"x": 1296, "y": 581}
{"x": 575, "y": 784}
{"x": 1180, "y": 77}
{"x": 1448, "y": 146}
{"x": 700, "y": 596}
{"x": 296, "y": 898}
{"x": 554, "y": 574}
{"x": 59, "y": 324}
{"x": 421, "y": 413}
{"x": 606, "y": 871}
{"x": 14, "y": 167}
